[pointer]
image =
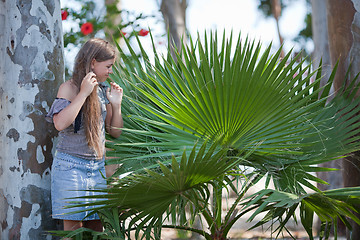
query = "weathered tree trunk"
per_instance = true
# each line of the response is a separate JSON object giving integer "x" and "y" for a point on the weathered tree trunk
{"x": 320, "y": 38}
{"x": 322, "y": 52}
{"x": 351, "y": 165}
{"x": 174, "y": 13}
{"x": 343, "y": 27}
{"x": 31, "y": 68}
{"x": 340, "y": 17}
{"x": 276, "y": 11}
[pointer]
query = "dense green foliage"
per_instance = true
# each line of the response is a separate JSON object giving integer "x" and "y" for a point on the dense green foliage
{"x": 220, "y": 117}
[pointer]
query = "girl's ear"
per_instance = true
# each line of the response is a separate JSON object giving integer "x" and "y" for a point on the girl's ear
{"x": 92, "y": 65}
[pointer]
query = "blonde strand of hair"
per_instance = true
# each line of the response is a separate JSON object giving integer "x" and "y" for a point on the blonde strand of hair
{"x": 92, "y": 124}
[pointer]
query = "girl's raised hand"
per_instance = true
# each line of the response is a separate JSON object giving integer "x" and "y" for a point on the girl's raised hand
{"x": 88, "y": 84}
{"x": 115, "y": 94}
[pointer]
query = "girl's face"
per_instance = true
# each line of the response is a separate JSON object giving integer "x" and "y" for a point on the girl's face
{"x": 102, "y": 69}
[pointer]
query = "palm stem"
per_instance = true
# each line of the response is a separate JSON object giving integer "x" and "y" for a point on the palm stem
{"x": 185, "y": 228}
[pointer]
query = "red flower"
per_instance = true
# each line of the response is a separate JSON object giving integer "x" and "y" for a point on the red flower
{"x": 64, "y": 14}
{"x": 87, "y": 28}
{"x": 123, "y": 33}
{"x": 143, "y": 32}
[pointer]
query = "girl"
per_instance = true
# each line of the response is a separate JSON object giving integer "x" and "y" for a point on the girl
{"x": 83, "y": 109}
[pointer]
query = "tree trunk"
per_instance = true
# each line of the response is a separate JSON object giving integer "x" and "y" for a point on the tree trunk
{"x": 31, "y": 68}
{"x": 340, "y": 17}
{"x": 114, "y": 19}
{"x": 351, "y": 165}
{"x": 276, "y": 11}
{"x": 343, "y": 27}
{"x": 320, "y": 38}
{"x": 322, "y": 52}
{"x": 174, "y": 13}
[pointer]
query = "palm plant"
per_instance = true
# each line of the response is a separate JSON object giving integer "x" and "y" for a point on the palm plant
{"x": 220, "y": 119}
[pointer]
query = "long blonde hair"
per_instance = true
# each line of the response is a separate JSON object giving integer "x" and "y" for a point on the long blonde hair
{"x": 100, "y": 50}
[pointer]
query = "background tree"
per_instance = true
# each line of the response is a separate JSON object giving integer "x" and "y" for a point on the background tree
{"x": 98, "y": 19}
{"x": 276, "y": 12}
{"x": 31, "y": 69}
{"x": 319, "y": 35}
{"x": 333, "y": 32}
{"x": 112, "y": 18}
{"x": 319, "y": 25}
{"x": 344, "y": 45}
{"x": 274, "y": 8}
{"x": 174, "y": 13}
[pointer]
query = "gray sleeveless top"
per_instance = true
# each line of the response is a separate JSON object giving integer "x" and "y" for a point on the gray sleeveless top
{"x": 72, "y": 140}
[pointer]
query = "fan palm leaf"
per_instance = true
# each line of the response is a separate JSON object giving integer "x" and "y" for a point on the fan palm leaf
{"x": 243, "y": 99}
{"x": 191, "y": 121}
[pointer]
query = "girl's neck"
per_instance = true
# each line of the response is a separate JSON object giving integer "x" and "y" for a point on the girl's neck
{"x": 73, "y": 83}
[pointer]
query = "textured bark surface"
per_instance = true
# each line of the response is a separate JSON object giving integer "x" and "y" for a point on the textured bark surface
{"x": 31, "y": 69}
{"x": 351, "y": 165}
{"x": 322, "y": 52}
{"x": 340, "y": 17}
{"x": 344, "y": 42}
{"x": 320, "y": 38}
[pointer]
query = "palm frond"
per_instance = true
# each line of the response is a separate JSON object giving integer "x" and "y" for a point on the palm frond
{"x": 151, "y": 195}
{"x": 329, "y": 206}
{"x": 192, "y": 119}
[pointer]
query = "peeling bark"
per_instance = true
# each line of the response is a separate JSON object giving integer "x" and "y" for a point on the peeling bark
{"x": 31, "y": 69}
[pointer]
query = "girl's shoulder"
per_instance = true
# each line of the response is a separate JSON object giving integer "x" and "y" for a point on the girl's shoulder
{"x": 67, "y": 90}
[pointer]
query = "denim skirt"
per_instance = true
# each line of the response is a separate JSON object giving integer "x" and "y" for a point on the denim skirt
{"x": 73, "y": 177}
